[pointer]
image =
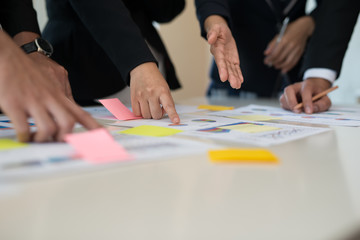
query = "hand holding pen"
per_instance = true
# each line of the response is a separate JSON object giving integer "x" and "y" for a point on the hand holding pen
{"x": 286, "y": 48}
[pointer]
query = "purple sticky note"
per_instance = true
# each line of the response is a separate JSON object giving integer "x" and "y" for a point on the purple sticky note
{"x": 97, "y": 146}
{"x": 119, "y": 110}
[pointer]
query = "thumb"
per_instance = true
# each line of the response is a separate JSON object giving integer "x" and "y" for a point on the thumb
{"x": 212, "y": 35}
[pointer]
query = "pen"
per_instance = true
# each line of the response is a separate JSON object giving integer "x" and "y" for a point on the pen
{"x": 283, "y": 29}
{"x": 316, "y": 97}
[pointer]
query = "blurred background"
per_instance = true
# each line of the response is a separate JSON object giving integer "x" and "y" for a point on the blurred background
{"x": 191, "y": 56}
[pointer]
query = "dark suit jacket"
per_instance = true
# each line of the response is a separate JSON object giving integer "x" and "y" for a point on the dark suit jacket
{"x": 253, "y": 26}
{"x": 17, "y": 16}
{"x": 99, "y": 43}
{"x": 334, "y": 26}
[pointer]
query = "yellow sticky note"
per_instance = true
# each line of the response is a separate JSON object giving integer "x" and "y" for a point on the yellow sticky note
{"x": 6, "y": 144}
{"x": 250, "y": 128}
{"x": 257, "y": 118}
{"x": 246, "y": 155}
{"x": 151, "y": 131}
{"x": 215, "y": 107}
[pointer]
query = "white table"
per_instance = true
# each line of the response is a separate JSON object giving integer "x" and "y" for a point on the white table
{"x": 313, "y": 194}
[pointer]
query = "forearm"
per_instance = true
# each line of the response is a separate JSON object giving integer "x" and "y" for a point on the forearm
{"x": 25, "y": 37}
{"x": 213, "y": 19}
{"x": 207, "y": 8}
{"x": 110, "y": 24}
{"x": 17, "y": 16}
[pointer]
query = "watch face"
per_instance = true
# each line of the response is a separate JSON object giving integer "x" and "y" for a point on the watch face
{"x": 45, "y": 45}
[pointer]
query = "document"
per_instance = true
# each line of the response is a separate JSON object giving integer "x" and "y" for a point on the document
{"x": 336, "y": 116}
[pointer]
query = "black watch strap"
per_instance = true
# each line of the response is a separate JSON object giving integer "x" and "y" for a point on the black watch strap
{"x": 30, "y": 47}
{"x": 38, "y": 45}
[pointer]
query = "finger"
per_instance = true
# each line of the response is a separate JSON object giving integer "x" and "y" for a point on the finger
{"x": 306, "y": 95}
{"x": 282, "y": 56}
{"x": 18, "y": 118}
{"x": 81, "y": 116}
{"x": 64, "y": 119}
{"x": 270, "y": 59}
{"x": 321, "y": 105}
{"x": 290, "y": 94}
{"x": 212, "y": 35}
{"x": 270, "y": 46}
{"x": 291, "y": 60}
{"x": 232, "y": 75}
{"x": 145, "y": 109}
{"x": 169, "y": 107}
{"x": 238, "y": 69}
{"x": 155, "y": 109}
{"x": 135, "y": 107}
{"x": 222, "y": 67}
{"x": 234, "y": 78}
{"x": 45, "y": 124}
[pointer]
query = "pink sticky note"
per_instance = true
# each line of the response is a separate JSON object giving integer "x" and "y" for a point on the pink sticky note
{"x": 119, "y": 110}
{"x": 97, "y": 146}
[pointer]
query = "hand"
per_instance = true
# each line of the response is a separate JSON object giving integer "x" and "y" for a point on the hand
{"x": 150, "y": 94}
{"x": 53, "y": 71}
{"x": 26, "y": 91}
{"x": 46, "y": 65}
{"x": 304, "y": 91}
{"x": 284, "y": 55}
{"x": 224, "y": 50}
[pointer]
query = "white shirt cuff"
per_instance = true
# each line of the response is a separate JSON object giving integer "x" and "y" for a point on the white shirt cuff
{"x": 324, "y": 73}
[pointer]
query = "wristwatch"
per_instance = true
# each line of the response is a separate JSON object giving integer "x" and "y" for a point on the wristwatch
{"x": 38, "y": 45}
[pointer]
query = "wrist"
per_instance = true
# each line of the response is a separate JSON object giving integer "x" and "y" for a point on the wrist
{"x": 324, "y": 83}
{"x": 25, "y": 37}
{"x": 141, "y": 69}
{"x": 212, "y": 20}
{"x": 310, "y": 25}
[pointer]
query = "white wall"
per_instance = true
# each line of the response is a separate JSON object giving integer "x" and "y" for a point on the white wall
{"x": 190, "y": 55}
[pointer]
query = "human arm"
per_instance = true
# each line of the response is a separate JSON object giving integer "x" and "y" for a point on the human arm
{"x": 286, "y": 53}
{"x": 163, "y": 10}
{"x": 326, "y": 50}
{"x": 214, "y": 18}
{"x": 110, "y": 24}
{"x": 48, "y": 66}
{"x": 26, "y": 91}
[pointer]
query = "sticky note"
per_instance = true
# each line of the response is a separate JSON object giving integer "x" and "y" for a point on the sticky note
{"x": 215, "y": 107}
{"x": 240, "y": 155}
{"x": 151, "y": 131}
{"x": 97, "y": 146}
{"x": 250, "y": 128}
{"x": 119, "y": 110}
{"x": 6, "y": 144}
{"x": 256, "y": 118}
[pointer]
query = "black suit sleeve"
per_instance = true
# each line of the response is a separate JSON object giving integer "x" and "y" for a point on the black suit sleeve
{"x": 18, "y": 16}
{"x": 110, "y": 23}
{"x": 206, "y": 8}
{"x": 163, "y": 10}
{"x": 335, "y": 21}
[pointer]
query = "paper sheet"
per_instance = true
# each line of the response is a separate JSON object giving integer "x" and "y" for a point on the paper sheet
{"x": 335, "y": 116}
{"x": 250, "y": 128}
{"x": 97, "y": 146}
{"x": 215, "y": 107}
{"x": 119, "y": 110}
{"x": 256, "y": 118}
{"x": 151, "y": 131}
{"x": 6, "y": 144}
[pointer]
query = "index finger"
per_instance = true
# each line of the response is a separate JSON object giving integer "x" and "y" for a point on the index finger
{"x": 169, "y": 107}
{"x": 18, "y": 117}
{"x": 81, "y": 116}
{"x": 290, "y": 95}
{"x": 306, "y": 96}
